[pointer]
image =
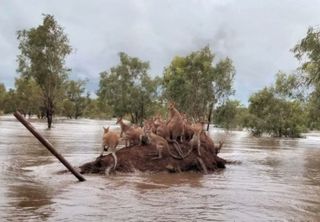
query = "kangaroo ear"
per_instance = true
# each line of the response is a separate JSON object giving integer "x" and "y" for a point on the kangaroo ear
{"x": 106, "y": 129}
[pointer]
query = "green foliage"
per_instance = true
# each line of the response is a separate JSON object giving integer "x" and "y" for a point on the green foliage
{"x": 289, "y": 86}
{"x": 226, "y": 115}
{"x": 194, "y": 83}
{"x": 42, "y": 58}
{"x": 128, "y": 89}
{"x": 275, "y": 115}
{"x": 2, "y": 96}
{"x": 10, "y": 102}
{"x": 92, "y": 109}
{"x": 74, "y": 102}
{"x": 27, "y": 96}
{"x": 313, "y": 107}
{"x": 308, "y": 52}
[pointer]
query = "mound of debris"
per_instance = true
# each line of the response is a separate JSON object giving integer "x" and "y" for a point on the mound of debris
{"x": 144, "y": 158}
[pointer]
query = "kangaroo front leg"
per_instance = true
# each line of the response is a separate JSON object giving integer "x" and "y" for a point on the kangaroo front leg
{"x": 103, "y": 149}
{"x": 140, "y": 140}
{"x": 115, "y": 160}
{"x": 198, "y": 146}
{"x": 182, "y": 136}
{"x": 159, "y": 148}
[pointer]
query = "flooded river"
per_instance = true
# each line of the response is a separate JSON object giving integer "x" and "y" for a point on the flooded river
{"x": 273, "y": 179}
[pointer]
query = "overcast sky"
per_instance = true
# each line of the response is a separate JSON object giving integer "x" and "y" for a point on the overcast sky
{"x": 256, "y": 34}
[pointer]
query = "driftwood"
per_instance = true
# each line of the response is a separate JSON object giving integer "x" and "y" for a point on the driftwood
{"x": 141, "y": 158}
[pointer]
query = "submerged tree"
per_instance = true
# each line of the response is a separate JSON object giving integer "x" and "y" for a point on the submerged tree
{"x": 2, "y": 96}
{"x": 128, "y": 89}
{"x": 42, "y": 57}
{"x": 10, "y": 103}
{"x": 276, "y": 110}
{"x": 74, "y": 102}
{"x": 195, "y": 83}
{"x": 230, "y": 114}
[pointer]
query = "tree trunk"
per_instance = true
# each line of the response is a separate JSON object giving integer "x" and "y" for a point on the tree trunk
{"x": 209, "y": 115}
{"x": 142, "y": 112}
{"x": 49, "y": 119}
{"x": 49, "y": 112}
{"x": 132, "y": 117}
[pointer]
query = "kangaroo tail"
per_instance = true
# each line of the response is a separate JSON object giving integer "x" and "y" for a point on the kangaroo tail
{"x": 176, "y": 146}
{"x": 174, "y": 155}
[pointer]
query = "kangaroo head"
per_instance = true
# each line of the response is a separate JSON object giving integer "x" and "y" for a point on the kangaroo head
{"x": 106, "y": 130}
{"x": 147, "y": 130}
{"x": 171, "y": 105}
{"x": 119, "y": 120}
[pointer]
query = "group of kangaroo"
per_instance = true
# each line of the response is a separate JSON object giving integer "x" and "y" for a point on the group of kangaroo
{"x": 157, "y": 132}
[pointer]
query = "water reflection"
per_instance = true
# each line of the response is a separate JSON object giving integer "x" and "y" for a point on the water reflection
{"x": 167, "y": 180}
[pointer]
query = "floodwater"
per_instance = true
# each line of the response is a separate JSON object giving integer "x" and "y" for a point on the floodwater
{"x": 270, "y": 179}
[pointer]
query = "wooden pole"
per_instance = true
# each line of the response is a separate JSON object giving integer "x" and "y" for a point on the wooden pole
{"x": 48, "y": 145}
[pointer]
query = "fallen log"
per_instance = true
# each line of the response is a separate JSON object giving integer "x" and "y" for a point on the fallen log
{"x": 48, "y": 145}
{"x": 141, "y": 158}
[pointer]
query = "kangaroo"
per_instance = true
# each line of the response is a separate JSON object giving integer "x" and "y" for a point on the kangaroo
{"x": 158, "y": 120}
{"x": 175, "y": 124}
{"x": 188, "y": 131}
{"x": 110, "y": 141}
{"x": 160, "y": 143}
{"x": 131, "y": 134}
{"x": 208, "y": 142}
{"x": 195, "y": 140}
{"x": 150, "y": 124}
{"x": 124, "y": 127}
{"x": 163, "y": 131}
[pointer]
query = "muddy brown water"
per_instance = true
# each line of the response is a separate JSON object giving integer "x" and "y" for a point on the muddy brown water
{"x": 271, "y": 179}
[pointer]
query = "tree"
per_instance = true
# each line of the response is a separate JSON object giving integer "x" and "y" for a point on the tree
{"x": 74, "y": 103}
{"x": 128, "y": 89}
{"x": 290, "y": 86}
{"x": 42, "y": 57}
{"x": 10, "y": 103}
{"x": 313, "y": 107}
{"x": 195, "y": 84}
{"x": 92, "y": 109}
{"x": 2, "y": 96}
{"x": 27, "y": 96}
{"x": 307, "y": 51}
{"x": 275, "y": 112}
{"x": 227, "y": 115}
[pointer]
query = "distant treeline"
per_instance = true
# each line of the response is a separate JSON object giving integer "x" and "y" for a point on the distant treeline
{"x": 199, "y": 84}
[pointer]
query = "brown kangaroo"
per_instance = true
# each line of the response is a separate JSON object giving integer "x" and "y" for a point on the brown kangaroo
{"x": 196, "y": 138}
{"x": 160, "y": 143}
{"x": 131, "y": 134}
{"x": 110, "y": 141}
{"x": 175, "y": 123}
{"x": 208, "y": 142}
{"x": 163, "y": 131}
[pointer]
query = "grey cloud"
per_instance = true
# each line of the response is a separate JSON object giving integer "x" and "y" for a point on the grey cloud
{"x": 257, "y": 35}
